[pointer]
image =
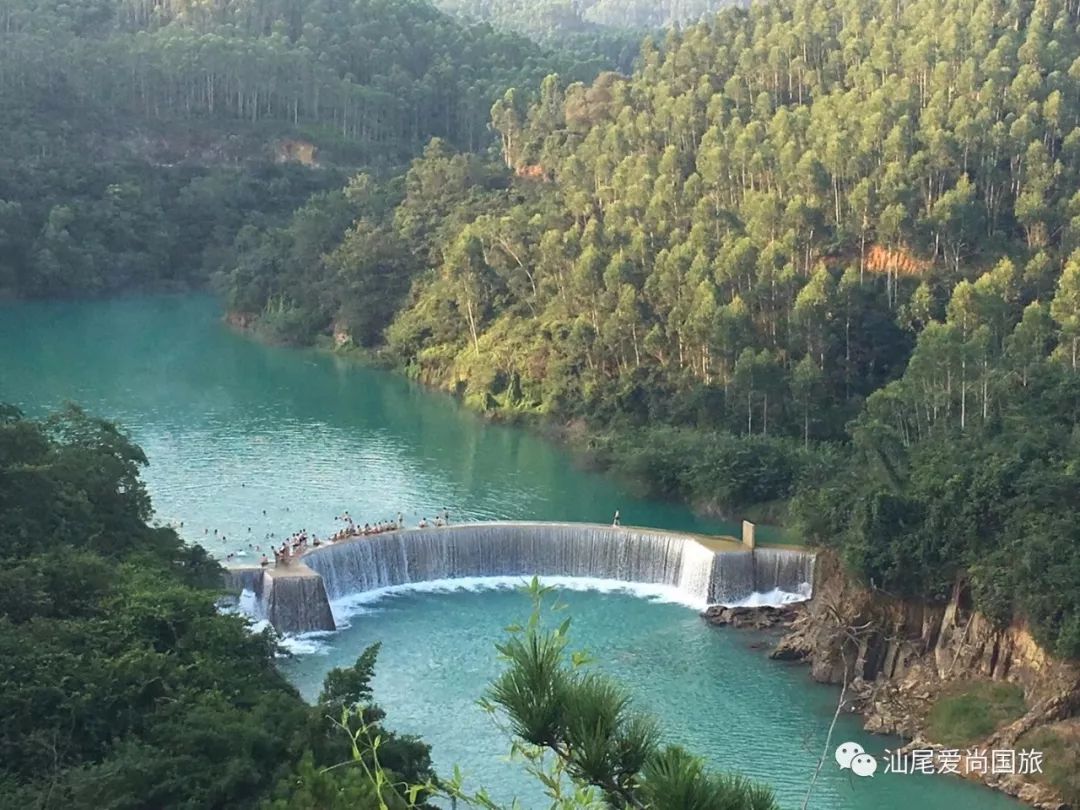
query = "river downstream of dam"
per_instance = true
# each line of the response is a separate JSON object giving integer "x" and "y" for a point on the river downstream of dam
{"x": 246, "y": 441}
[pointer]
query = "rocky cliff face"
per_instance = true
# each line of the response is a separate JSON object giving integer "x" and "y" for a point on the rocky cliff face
{"x": 896, "y": 656}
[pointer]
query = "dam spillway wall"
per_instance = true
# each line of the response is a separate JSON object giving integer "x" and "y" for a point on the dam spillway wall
{"x": 291, "y": 597}
{"x": 717, "y": 572}
{"x": 242, "y": 578}
{"x": 782, "y": 568}
{"x": 294, "y": 598}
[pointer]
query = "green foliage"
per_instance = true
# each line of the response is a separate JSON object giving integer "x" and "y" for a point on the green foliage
{"x": 139, "y": 139}
{"x": 385, "y": 76}
{"x": 75, "y": 227}
{"x": 554, "y": 703}
{"x": 121, "y": 683}
{"x": 970, "y": 712}
{"x": 351, "y": 687}
{"x": 989, "y": 505}
{"x": 605, "y": 754}
{"x": 613, "y": 28}
{"x": 726, "y": 471}
{"x": 346, "y": 693}
{"x": 1061, "y": 749}
{"x": 311, "y": 788}
{"x": 853, "y": 230}
{"x": 727, "y": 239}
{"x": 674, "y": 779}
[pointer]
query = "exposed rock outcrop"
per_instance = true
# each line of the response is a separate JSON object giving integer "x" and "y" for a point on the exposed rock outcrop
{"x": 896, "y": 656}
{"x": 754, "y": 618}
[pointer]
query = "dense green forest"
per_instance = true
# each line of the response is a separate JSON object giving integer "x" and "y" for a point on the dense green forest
{"x": 385, "y": 75}
{"x": 792, "y": 217}
{"x": 603, "y": 21}
{"x": 71, "y": 227}
{"x": 139, "y": 138}
{"x": 123, "y": 684}
{"x": 765, "y": 227}
{"x": 797, "y": 239}
{"x": 816, "y": 257}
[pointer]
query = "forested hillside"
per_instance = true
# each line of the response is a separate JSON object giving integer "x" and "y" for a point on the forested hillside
{"x": 551, "y": 19}
{"x": 818, "y": 258}
{"x": 385, "y": 75}
{"x": 761, "y": 220}
{"x": 789, "y": 218}
{"x": 139, "y": 137}
{"x": 784, "y": 219}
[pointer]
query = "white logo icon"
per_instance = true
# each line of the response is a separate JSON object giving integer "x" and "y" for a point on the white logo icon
{"x": 863, "y": 765}
{"x": 852, "y": 755}
{"x": 847, "y": 752}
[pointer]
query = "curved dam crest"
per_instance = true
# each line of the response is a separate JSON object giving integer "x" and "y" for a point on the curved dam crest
{"x": 295, "y": 598}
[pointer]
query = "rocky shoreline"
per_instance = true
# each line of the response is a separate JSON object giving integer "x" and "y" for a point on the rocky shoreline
{"x": 752, "y": 618}
{"x": 896, "y": 658}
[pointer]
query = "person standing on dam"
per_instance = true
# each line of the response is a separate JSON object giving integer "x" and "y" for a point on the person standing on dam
{"x": 616, "y": 521}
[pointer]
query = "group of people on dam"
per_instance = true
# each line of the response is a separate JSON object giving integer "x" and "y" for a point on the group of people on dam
{"x": 299, "y": 542}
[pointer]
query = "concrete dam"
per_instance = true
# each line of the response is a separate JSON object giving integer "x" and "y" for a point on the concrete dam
{"x": 295, "y": 598}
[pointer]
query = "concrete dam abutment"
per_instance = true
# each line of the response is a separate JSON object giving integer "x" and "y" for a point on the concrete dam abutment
{"x": 295, "y": 598}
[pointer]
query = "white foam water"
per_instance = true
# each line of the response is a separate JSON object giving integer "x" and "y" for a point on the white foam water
{"x": 354, "y": 604}
{"x": 306, "y": 643}
{"x": 292, "y": 644}
{"x": 350, "y": 607}
{"x": 365, "y": 603}
{"x": 248, "y": 604}
{"x": 773, "y": 598}
{"x": 485, "y": 550}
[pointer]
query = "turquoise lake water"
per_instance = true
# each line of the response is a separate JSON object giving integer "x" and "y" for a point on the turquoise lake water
{"x": 233, "y": 428}
{"x": 252, "y": 440}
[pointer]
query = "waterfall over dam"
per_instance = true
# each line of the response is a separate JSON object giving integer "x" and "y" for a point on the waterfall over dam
{"x": 702, "y": 570}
